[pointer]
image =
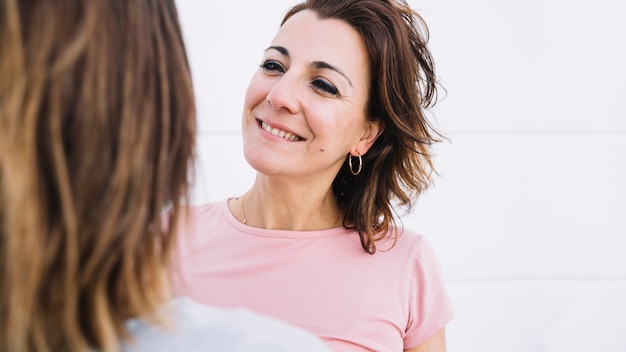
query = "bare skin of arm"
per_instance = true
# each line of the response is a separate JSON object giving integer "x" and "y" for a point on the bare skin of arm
{"x": 436, "y": 343}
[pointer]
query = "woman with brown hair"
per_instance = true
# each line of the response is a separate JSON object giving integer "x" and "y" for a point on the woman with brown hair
{"x": 334, "y": 123}
{"x": 97, "y": 130}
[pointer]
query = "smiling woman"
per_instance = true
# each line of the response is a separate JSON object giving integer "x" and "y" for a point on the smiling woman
{"x": 334, "y": 124}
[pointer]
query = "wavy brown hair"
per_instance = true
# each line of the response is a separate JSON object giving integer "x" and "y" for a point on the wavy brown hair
{"x": 97, "y": 128}
{"x": 398, "y": 167}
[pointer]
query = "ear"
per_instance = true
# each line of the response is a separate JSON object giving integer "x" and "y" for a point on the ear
{"x": 371, "y": 131}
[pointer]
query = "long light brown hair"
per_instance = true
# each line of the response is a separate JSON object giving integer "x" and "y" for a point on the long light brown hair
{"x": 398, "y": 167}
{"x": 97, "y": 128}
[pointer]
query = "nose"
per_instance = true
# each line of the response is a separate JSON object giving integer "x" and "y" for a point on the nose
{"x": 285, "y": 94}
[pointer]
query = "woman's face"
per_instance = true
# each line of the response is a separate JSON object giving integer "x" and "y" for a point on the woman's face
{"x": 305, "y": 109}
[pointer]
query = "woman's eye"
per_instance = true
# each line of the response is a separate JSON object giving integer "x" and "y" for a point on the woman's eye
{"x": 325, "y": 87}
{"x": 272, "y": 66}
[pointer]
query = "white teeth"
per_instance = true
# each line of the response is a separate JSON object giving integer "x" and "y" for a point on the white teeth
{"x": 280, "y": 133}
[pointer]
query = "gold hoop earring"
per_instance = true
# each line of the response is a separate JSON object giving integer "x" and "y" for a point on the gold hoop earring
{"x": 350, "y": 165}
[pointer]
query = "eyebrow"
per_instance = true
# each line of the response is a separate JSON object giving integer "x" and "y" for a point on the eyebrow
{"x": 315, "y": 64}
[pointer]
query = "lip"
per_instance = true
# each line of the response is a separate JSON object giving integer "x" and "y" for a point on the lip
{"x": 279, "y": 131}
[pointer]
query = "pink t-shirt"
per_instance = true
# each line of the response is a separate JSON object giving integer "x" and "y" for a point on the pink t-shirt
{"x": 321, "y": 281}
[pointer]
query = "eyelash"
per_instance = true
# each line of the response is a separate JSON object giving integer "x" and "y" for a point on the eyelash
{"x": 273, "y": 67}
{"x": 325, "y": 86}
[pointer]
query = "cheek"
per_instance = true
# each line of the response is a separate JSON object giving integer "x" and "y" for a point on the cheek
{"x": 256, "y": 92}
{"x": 338, "y": 122}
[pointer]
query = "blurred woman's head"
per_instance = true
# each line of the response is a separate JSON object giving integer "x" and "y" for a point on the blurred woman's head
{"x": 97, "y": 128}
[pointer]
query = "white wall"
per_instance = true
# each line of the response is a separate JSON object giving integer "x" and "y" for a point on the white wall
{"x": 529, "y": 214}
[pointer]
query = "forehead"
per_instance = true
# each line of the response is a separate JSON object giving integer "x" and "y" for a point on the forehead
{"x": 310, "y": 38}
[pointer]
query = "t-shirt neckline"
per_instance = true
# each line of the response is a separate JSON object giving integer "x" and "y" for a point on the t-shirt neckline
{"x": 256, "y": 231}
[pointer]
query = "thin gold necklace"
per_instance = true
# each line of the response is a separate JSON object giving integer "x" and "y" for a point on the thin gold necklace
{"x": 243, "y": 212}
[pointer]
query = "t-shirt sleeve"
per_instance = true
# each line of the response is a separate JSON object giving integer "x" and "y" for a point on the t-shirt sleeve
{"x": 430, "y": 307}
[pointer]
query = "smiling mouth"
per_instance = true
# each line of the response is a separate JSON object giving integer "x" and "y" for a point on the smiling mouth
{"x": 280, "y": 133}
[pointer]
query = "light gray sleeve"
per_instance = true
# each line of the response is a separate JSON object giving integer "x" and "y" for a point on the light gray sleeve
{"x": 201, "y": 328}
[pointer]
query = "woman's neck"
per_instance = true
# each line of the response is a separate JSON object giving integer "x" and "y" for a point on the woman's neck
{"x": 287, "y": 208}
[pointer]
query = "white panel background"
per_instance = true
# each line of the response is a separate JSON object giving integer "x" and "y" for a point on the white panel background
{"x": 528, "y": 215}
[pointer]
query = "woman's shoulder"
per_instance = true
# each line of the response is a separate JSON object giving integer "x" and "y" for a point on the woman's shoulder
{"x": 401, "y": 239}
{"x": 194, "y": 216}
{"x": 194, "y": 210}
{"x": 406, "y": 247}
{"x": 199, "y": 327}
{"x": 204, "y": 208}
